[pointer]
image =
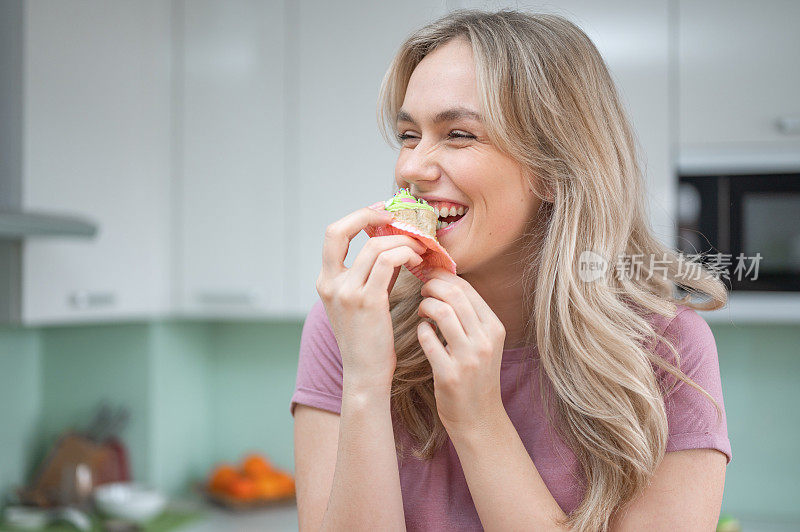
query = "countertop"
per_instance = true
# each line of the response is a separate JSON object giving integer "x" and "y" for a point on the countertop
{"x": 217, "y": 519}
{"x": 757, "y": 307}
{"x": 273, "y": 519}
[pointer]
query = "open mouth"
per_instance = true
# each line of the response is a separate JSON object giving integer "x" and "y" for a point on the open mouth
{"x": 448, "y": 213}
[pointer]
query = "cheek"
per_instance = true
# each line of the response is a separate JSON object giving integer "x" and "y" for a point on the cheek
{"x": 504, "y": 226}
{"x": 507, "y": 213}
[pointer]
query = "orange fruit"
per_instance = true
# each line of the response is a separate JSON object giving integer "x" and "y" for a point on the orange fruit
{"x": 268, "y": 488}
{"x": 243, "y": 488}
{"x": 286, "y": 483}
{"x": 256, "y": 466}
{"x": 221, "y": 478}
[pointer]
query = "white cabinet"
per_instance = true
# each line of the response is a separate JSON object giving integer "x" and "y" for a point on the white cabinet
{"x": 337, "y": 161}
{"x": 214, "y": 141}
{"x": 230, "y": 193}
{"x": 97, "y": 142}
{"x": 739, "y": 82}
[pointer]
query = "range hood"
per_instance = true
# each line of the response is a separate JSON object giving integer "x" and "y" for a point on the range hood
{"x": 18, "y": 225}
{"x": 20, "y": 221}
{"x": 16, "y": 221}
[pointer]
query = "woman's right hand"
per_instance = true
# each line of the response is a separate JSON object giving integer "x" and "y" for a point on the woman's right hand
{"x": 357, "y": 299}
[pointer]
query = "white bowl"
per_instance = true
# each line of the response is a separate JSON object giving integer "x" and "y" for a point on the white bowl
{"x": 129, "y": 501}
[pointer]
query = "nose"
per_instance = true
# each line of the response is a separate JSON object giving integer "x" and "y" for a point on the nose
{"x": 417, "y": 165}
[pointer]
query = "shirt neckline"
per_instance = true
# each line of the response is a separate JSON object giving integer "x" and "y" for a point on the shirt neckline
{"x": 516, "y": 354}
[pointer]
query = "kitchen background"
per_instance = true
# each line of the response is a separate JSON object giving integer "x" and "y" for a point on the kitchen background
{"x": 209, "y": 144}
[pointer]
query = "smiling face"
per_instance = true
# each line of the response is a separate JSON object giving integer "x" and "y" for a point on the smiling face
{"x": 446, "y": 154}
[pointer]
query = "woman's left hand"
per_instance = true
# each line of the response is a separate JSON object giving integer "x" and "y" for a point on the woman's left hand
{"x": 466, "y": 371}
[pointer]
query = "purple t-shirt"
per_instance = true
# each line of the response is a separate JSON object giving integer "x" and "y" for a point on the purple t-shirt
{"x": 435, "y": 492}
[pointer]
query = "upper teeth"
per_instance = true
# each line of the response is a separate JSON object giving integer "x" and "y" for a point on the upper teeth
{"x": 452, "y": 211}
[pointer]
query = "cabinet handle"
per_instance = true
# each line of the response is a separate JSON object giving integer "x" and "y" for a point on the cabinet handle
{"x": 788, "y": 125}
{"x": 83, "y": 299}
{"x": 243, "y": 298}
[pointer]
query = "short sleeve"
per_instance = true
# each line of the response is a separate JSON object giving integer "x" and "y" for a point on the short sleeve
{"x": 319, "y": 365}
{"x": 691, "y": 417}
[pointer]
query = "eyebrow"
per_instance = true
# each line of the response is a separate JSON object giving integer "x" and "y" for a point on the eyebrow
{"x": 447, "y": 115}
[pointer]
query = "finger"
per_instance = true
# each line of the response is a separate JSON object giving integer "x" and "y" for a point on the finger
{"x": 482, "y": 309}
{"x": 339, "y": 234}
{"x": 435, "y": 352}
{"x": 393, "y": 280}
{"x": 453, "y": 294}
{"x": 385, "y": 265}
{"x": 365, "y": 260}
{"x": 446, "y": 319}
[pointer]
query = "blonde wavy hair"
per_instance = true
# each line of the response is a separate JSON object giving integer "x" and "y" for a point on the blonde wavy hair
{"x": 551, "y": 104}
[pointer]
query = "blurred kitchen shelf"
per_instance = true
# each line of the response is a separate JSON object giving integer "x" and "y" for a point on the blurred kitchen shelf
{"x": 757, "y": 307}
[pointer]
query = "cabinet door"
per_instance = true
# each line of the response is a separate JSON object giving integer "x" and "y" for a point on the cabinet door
{"x": 739, "y": 79}
{"x": 337, "y": 159}
{"x": 230, "y": 94}
{"x": 97, "y": 142}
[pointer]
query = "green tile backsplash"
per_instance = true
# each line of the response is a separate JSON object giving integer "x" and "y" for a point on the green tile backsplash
{"x": 202, "y": 392}
{"x": 84, "y": 365}
{"x": 20, "y": 403}
{"x": 760, "y": 367}
{"x": 252, "y": 379}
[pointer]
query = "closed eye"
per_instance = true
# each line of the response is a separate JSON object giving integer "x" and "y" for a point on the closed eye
{"x": 452, "y": 135}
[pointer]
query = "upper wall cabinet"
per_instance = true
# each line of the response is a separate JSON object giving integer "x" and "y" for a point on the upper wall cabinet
{"x": 230, "y": 175}
{"x": 739, "y": 83}
{"x": 96, "y": 122}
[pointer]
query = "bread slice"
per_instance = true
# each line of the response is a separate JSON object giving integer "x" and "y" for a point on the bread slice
{"x": 422, "y": 219}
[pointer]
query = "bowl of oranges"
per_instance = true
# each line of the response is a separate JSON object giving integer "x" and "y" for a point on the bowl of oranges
{"x": 253, "y": 483}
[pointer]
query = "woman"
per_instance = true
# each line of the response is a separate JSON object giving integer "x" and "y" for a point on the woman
{"x": 547, "y": 396}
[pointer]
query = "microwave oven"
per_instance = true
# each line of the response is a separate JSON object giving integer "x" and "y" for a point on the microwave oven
{"x": 745, "y": 227}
